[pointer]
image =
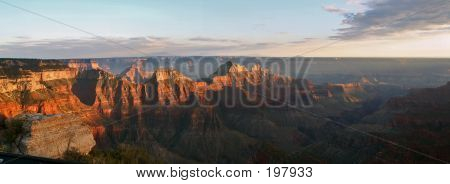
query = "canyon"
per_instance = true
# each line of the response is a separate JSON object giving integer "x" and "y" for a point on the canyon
{"x": 236, "y": 115}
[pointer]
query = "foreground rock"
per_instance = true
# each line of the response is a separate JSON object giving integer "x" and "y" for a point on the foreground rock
{"x": 52, "y": 136}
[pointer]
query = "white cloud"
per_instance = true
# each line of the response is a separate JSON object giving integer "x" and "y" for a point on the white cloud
{"x": 333, "y": 9}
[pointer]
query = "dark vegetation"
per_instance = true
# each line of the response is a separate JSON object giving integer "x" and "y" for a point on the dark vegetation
{"x": 10, "y": 131}
{"x": 25, "y": 97}
{"x": 122, "y": 154}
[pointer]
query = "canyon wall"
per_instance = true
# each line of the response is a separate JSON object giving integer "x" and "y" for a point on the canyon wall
{"x": 34, "y": 81}
{"x": 113, "y": 109}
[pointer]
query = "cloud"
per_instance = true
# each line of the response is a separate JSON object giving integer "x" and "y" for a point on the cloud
{"x": 304, "y": 40}
{"x": 22, "y": 37}
{"x": 298, "y": 42}
{"x": 333, "y": 9}
{"x": 282, "y": 33}
{"x": 87, "y": 47}
{"x": 353, "y": 2}
{"x": 205, "y": 39}
{"x": 157, "y": 38}
{"x": 391, "y": 17}
{"x": 134, "y": 46}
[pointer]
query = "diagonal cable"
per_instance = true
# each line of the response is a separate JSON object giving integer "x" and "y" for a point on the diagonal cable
{"x": 74, "y": 28}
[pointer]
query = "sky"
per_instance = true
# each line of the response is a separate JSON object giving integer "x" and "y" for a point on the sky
{"x": 319, "y": 28}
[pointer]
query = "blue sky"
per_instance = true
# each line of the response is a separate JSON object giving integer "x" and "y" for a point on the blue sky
{"x": 179, "y": 18}
{"x": 195, "y": 27}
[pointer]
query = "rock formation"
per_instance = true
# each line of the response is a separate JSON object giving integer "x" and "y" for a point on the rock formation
{"x": 144, "y": 110}
{"x": 420, "y": 121}
{"x": 52, "y": 136}
{"x": 136, "y": 73}
{"x": 347, "y": 92}
{"x": 82, "y": 64}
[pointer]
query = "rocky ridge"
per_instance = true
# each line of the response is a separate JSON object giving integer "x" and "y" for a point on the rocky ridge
{"x": 164, "y": 128}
